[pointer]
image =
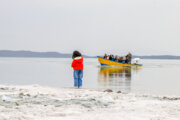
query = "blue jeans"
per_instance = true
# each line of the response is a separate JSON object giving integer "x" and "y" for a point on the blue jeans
{"x": 78, "y": 74}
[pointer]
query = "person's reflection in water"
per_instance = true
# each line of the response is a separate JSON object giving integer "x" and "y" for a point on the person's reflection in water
{"x": 115, "y": 78}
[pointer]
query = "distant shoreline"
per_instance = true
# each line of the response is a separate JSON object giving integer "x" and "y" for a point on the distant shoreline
{"x": 84, "y": 57}
{"x": 31, "y": 54}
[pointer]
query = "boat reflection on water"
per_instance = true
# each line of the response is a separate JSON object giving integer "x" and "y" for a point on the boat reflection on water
{"x": 116, "y": 78}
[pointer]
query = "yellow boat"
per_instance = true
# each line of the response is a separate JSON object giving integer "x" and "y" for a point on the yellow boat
{"x": 105, "y": 62}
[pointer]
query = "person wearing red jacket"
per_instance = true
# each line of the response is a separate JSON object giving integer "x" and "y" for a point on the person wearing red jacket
{"x": 77, "y": 65}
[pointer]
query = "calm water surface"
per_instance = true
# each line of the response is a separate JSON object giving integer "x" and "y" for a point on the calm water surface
{"x": 160, "y": 77}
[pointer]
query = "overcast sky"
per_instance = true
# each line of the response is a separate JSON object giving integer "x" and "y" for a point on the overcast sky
{"x": 143, "y": 27}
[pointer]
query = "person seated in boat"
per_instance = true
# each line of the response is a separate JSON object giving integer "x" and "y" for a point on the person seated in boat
{"x": 116, "y": 58}
{"x": 105, "y": 56}
{"x": 120, "y": 59}
{"x": 111, "y": 57}
{"x": 125, "y": 59}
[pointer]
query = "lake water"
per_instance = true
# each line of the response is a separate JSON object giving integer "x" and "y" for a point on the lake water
{"x": 161, "y": 77}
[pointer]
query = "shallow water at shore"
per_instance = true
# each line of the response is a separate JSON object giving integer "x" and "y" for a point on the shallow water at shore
{"x": 160, "y": 77}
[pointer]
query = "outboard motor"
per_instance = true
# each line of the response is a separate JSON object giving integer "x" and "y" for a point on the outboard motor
{"x": 136, "y": 60}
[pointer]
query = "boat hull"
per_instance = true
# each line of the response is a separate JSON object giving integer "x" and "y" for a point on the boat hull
{"x": 106, "y": 62}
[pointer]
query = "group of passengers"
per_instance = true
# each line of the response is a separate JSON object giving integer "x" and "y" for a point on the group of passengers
{"x": 125, "y": 59}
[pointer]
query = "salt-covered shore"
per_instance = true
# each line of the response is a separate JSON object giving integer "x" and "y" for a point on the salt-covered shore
{"x": 44, "y": 103}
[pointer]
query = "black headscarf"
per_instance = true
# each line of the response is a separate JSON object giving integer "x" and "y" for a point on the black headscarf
{"x": 76, "y": 54}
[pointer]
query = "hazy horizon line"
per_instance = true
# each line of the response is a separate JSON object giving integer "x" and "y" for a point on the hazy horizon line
{"x": 71, "y": 53}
